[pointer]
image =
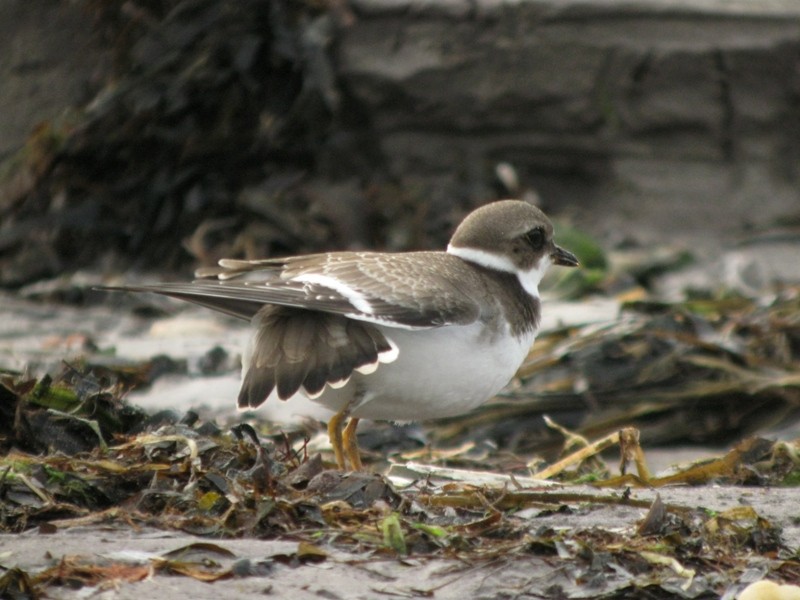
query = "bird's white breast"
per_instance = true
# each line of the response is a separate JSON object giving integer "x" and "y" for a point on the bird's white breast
{"x": 438, "y": 373}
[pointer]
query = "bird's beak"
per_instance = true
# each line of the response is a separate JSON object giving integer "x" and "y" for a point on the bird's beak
{"x": 562, "y": 257}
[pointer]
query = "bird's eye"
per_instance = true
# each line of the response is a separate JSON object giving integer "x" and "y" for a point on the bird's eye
{"x": 535, "y": 238}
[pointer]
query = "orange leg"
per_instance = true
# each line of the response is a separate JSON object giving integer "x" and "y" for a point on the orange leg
{"x": 351, "y": 444}
{"x": 335, "y": 434}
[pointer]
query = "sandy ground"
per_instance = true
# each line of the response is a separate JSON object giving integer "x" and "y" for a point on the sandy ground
{"x": 352, "y": 575}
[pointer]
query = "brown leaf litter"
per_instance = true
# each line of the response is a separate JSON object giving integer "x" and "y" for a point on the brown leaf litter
{"x": 75, "y": 455}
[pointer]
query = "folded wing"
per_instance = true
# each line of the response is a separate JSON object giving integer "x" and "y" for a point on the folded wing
{"x": 360, "y": 286}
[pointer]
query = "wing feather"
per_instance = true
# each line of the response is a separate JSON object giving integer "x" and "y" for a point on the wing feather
{"x": 361, "y": 286}
{"x": 297, "y": 350}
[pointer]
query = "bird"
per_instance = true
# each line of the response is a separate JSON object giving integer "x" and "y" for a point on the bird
{"x": 403, "y": 337}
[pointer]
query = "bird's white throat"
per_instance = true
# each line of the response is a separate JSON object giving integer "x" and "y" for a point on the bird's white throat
{"x": 529, "y": 280}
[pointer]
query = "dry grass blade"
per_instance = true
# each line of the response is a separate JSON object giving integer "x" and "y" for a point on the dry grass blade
{"x": 577, "y": 457}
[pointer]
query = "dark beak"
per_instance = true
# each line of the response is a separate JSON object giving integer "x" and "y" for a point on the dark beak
{"x": 562, "y": 257}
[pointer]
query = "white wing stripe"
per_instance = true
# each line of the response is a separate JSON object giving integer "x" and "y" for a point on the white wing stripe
{"x": 354, "y": 297}
{"x": 388, "y": 322}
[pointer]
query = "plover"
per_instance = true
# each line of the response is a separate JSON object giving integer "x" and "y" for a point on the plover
{"x": 397, "y": 336}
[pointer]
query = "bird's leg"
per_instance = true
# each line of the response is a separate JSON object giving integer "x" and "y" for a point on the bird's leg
{"x": 351, "y": 444}
{"x": 335, "y": 426}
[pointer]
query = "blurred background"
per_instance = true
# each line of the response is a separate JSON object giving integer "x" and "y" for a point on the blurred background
{"x": 141, "y": 139}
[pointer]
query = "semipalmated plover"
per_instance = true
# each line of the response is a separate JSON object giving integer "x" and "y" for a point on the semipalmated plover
{"x": 396, "y": 336}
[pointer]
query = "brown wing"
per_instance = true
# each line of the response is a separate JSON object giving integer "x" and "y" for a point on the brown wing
{"x": 296, "y": 349}
{"x": 361, "y": 286}
{"x": 391, "y": 289}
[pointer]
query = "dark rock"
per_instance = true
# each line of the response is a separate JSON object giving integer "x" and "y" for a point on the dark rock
{"x": 265, "y": 127}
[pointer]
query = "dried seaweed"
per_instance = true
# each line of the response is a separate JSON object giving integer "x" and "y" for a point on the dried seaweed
{"x": 240, "y": 484}
{"x": 76, "y": 455}
{"x": 207, "y": 99}
{"x": 703, "y": 371}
